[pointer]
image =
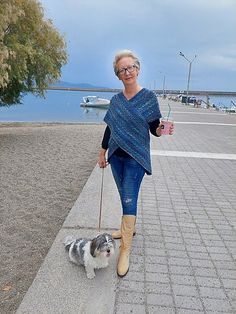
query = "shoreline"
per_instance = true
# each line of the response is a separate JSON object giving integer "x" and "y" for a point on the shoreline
{"x": 25, "y": 123}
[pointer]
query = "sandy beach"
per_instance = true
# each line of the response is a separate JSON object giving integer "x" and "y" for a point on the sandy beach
{"x": 43, "y": 168}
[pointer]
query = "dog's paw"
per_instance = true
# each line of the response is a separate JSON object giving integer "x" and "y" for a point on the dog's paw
{"x": 90, "y": 275}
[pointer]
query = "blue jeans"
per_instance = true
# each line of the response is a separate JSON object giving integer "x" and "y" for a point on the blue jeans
{"x": 128, "y": 175}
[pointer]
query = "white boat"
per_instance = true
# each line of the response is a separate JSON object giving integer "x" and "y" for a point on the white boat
{"x": 95, "y": 102}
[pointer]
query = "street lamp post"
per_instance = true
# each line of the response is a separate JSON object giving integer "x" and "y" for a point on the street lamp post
{"x": 189, "y": 73}
{"x": 164, "y": 80}
{"x": 163, "y": 84}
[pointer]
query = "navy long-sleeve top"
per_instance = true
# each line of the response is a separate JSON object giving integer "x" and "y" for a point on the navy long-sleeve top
{"x": 120, "y": 152}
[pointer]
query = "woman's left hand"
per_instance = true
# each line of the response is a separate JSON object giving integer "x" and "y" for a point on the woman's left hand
{"x": 158, "y": 130}
{"x": 171, "y": 128}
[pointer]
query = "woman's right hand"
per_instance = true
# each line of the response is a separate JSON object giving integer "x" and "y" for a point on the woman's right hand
{"x": 102, "y": 162}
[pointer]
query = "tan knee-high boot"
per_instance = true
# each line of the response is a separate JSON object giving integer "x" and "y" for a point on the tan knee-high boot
{"x": 127, "y": 229}
{"x": 117, "y": 234}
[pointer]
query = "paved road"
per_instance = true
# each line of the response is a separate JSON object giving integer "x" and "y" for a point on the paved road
{"x": 184, "y": 254}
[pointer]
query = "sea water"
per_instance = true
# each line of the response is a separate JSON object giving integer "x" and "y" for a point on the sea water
{"x": 221, "y": 101}
{"x": 57, "y": 106}
{"x": 64, "y": 106}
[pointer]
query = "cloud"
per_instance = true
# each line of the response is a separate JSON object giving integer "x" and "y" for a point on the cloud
{"x": 219, "y": 61}
{"x": 156, "y": 30}
{"x": 203, "y": 4}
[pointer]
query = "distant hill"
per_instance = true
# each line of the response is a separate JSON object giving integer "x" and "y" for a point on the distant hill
{"x": 79, "y": 85}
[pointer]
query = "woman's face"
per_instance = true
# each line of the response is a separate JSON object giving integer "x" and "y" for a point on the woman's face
{"x": 127, "y": 71}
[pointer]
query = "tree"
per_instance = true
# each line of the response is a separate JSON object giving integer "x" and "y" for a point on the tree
{"x": 32, "y": 51}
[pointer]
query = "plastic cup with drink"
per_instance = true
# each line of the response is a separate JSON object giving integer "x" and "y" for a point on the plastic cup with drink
{"x": 166, "y": 123}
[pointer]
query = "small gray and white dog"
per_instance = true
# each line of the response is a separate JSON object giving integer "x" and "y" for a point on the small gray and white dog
{"x": 91, "y": 253}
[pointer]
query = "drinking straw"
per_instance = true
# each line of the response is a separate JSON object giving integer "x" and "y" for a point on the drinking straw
{"x": 168, "y": 112}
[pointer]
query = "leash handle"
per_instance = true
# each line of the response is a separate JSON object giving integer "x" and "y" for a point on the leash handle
{"x": 101, "y": 194}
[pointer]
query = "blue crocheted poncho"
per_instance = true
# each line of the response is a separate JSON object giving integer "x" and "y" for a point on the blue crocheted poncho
{"x": 128, "y": 122}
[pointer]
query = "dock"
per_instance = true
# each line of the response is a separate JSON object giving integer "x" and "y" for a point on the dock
{"x": 183, "y": 257}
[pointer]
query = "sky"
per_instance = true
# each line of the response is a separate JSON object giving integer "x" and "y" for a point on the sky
{"x": 156, "y": 30}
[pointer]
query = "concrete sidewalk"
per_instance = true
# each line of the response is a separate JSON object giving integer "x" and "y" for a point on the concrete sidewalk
{"x": 184, "y": 254}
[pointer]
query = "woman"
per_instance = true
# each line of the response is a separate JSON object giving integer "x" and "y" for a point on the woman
{"x": 131, "y": 115}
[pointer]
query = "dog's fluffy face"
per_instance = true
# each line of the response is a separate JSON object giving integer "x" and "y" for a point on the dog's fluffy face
{"x": 102, "y": 246}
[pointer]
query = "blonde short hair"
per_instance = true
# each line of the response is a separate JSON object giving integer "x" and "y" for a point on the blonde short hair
{"x": 125, "y": 53}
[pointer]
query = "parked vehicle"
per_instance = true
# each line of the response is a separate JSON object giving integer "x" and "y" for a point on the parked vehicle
{"x": 191, "y": 99}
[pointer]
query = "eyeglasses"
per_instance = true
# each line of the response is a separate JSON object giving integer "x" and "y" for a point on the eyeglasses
{"x": 129, "y": 69}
